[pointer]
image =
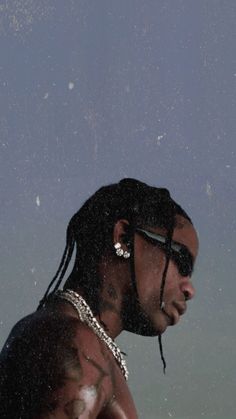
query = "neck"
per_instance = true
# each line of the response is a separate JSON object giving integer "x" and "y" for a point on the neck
{"x": 108, "y": 304}
{"x": 109, "y": 315}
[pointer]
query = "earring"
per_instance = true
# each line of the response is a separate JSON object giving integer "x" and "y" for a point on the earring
{"x": 126, "y": 254}
{"x": 120, "y": 251}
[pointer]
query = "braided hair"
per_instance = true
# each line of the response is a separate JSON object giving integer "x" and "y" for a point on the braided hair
{"x": 90, "y": 234}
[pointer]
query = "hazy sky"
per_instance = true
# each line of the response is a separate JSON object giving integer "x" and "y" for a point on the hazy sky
{"x": 95, "y": 90}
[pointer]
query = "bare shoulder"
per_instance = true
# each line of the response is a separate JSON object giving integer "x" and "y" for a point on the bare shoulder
{"x": 53, "y": 364}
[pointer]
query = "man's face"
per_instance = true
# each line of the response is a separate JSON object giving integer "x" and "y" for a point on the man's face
{"x": 150, "y": 261}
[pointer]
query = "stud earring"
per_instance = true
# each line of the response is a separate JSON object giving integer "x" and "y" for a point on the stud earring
{"x": 126, "y": 254}
{"x": 120, "y": 251}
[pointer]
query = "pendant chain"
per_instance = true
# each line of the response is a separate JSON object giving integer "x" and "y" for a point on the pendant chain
{"x": 87, "y": 317}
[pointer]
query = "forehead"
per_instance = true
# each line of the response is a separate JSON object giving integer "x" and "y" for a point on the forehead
{"x": 186, "y": 234}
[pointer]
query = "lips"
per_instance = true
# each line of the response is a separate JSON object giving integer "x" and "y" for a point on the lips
{"x": 181, "y": 307}
{"x": 173, "y": 317}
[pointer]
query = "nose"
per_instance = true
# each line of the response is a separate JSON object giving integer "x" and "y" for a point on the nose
{"x": 187, "y": 288}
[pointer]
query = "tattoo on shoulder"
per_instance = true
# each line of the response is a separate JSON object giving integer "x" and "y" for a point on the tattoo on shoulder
{"x": 89, "y": 395}
{"x": 75, "y": 408}
{"x": 42, "y": 379}
{"x": 101, "y": 371}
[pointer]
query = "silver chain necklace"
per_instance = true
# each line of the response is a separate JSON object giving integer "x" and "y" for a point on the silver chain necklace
{"x": 86, "y": 316}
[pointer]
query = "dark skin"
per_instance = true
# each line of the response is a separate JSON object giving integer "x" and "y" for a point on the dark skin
{"x": 67, "y": 372}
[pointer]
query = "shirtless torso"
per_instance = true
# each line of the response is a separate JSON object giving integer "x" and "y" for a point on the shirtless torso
{"x": 53, "y": 366}
{"x": 57, "y": 368}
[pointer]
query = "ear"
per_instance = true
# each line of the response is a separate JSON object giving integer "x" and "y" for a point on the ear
{"x": 120, "y": 233}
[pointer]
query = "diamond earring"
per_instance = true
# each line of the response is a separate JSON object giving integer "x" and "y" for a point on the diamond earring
{"x": 120, "y": 251}
{"x": 126, "y": 254}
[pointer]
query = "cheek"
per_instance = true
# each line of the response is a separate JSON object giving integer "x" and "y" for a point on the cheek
{"x": 149, "y": 269}
{"x": 173, "y": 272}
{"x": 152, "y": 259}
{"x": 172, "y": 280}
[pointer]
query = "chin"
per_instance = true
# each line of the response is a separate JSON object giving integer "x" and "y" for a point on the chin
{"x": 141, "y": 324}
{"x": 145, "y": 329}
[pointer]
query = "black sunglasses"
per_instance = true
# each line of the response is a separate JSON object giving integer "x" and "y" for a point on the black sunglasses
{"x": 179, "y": 253}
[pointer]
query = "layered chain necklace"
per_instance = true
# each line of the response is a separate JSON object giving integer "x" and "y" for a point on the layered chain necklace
{"x": 87, "y": 317}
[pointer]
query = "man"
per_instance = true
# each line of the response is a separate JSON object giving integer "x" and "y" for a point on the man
{"x": 135, "y": 251}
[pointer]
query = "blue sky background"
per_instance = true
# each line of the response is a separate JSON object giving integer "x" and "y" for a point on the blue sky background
{"x": 93, "y": 91}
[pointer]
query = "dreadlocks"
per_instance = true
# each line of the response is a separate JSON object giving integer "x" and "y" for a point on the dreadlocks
{"x": 90, "y": 231}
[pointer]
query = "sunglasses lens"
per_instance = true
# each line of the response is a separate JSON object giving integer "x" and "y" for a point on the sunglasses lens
{"x": 184, "y": 264}
{"x": 179, "y": 254}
